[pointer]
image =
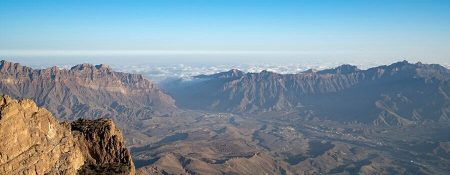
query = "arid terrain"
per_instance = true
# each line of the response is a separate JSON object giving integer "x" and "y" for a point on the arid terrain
{"x": 274, "y": 143}
{"x": 225, "y": 87}
{"x": 384, "y": 120}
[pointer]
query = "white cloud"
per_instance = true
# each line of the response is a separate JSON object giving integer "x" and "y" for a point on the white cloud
{"x": 185, "y": 71}
{"x": 169, "y": 69}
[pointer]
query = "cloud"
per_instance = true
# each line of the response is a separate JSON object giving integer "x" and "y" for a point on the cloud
{"x": 157, "y": 72}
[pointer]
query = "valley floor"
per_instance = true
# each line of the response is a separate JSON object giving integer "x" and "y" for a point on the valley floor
{"x": 282, "y": 143}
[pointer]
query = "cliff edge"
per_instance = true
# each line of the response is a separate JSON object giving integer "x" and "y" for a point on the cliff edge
{"x": 32, "y": 141}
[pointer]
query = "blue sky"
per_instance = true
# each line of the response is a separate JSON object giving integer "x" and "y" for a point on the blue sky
{"x": 352, "y": 29}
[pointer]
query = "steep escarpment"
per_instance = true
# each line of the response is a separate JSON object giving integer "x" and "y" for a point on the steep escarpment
{"x": 398, "y": 94}
{"x": 33, "y": 142}
{"x": 86, "y": 90}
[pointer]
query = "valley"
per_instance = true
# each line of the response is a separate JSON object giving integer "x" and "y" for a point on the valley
{"x": 385, "y": 120}
{"x": 225, "y": 87}
{"x": 211, "y": 142}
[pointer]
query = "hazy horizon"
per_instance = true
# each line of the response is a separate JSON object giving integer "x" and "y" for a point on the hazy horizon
{"x": 149, "y": 111}
{"x": 226, "y": 31}
{"x": 159, "y": 68}
{"x": 183, "y": 38}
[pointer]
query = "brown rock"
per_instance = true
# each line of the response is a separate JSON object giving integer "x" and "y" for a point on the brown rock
{"x": 103, "y": 146}
{"x": 33, "y": 142}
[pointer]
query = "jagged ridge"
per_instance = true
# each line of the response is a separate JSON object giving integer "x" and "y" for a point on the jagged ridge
{"x": 397, "y": 94}
{"x": 86, "y": 90}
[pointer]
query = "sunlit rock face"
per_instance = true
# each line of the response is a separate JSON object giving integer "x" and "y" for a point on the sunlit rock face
{"x": 32, "y": 141}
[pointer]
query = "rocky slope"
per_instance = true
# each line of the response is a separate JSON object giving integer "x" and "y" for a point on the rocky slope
{"x": 398, "y": 94}
{"x": 86, "y": 91}
{"x": 33, "y": 142}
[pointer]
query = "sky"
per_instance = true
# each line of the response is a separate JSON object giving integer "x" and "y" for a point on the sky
{"x": 225, "y": 31}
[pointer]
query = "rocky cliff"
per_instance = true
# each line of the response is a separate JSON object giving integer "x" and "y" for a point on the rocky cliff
{"x": 86, "y": 90}
{"x": 33, "y": 142}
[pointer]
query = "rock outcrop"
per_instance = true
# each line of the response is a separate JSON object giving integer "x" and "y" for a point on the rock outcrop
{"x": 102, "y": 145}
{"x": 32, "y": 141}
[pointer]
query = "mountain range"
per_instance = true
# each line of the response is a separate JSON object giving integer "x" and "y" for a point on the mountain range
{"x": 391, "y": 119}
{"x": 398, "y": 94}
{"x": 86, "y": 91}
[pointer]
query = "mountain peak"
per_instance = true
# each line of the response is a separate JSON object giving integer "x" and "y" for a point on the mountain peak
{"x": 6, "y": 66}
{"x": 233, "y": 73}
{"x": 90, "y": 67}
{"x": 342, "y": 69}
{"x": 82, "y": 66}
{"x": 402, "y": 63}
{"x": 266, "y": 73}
{"x": 103, "y": 67}
{"x": 310, "y": 71}
{"x": 5, "y": 63}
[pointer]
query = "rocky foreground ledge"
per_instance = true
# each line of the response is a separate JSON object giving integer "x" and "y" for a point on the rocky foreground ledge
{"x": 32, "y": 141}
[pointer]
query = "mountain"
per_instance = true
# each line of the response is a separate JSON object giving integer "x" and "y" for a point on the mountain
{"x": 398, "y": 94}
{"x": 33, "y": 142}
{"x": 86, "y": 91}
